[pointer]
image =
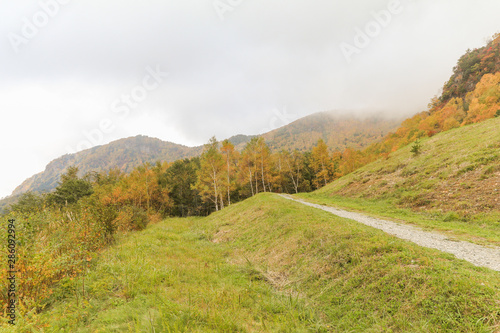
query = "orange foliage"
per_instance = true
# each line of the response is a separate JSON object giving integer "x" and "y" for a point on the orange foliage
{"x": 484, "y": 100}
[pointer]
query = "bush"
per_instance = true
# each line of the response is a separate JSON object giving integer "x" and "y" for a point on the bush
{"x": 131, "y": 218}
{"x": 451, "y": 216}
{"x": 416, "y": 148}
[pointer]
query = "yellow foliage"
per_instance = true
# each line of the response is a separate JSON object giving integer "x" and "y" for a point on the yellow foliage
{"x": 484, "y": 101}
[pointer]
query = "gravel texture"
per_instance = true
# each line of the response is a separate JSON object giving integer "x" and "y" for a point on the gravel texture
{"x": 475, "y": 254}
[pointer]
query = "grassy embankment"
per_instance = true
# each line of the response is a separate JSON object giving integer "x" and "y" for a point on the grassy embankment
{"x": 453, "y": 185}
{"x": 271, "y": 265}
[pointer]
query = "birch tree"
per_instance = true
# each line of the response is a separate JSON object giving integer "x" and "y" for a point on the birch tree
{"x": 211, "y": 175}
{"x": 231, "y": 160}
{"x": 322, "y": 164}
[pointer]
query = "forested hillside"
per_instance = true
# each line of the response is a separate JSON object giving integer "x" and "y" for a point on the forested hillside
{"x": 126, "y": 154}
{"x": 471, "y": 95}
{"x": 338, "y": 130}
{"x": 123, "y": 154}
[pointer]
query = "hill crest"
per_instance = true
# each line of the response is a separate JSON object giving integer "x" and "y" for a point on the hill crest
{"x": 125, "y": 154}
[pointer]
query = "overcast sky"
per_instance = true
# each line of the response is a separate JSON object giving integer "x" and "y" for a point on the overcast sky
{"x": 77, "y": 73}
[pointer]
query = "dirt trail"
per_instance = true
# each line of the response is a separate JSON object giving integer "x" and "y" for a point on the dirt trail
{"x": 475, "y": 254}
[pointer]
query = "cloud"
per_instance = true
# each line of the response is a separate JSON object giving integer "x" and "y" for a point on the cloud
{"x": 225, "y": 76}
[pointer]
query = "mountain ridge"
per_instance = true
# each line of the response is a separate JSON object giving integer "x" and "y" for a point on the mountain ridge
{"x": 339, "y": 131}
{"x": 146, "y": 149}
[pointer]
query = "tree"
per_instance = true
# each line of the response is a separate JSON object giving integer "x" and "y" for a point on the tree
{"x": 292, "y": 166}
{"x": 416, "y": 148}
{"x": 351, "y": 160}
{"x": 231, "y": 159}
{"x": 70, "y": 189}
{"x": 322, "y": 164}
{"x": 211, "y": 175}
{"x": 180, "y": 179}
{"x": 263, "y": 157}
{"x": 28, "y": 202}
{"x": 248, "y": 164}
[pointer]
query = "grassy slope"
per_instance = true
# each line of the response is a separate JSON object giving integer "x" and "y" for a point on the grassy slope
{"x": 271, "y": 265}
{"x": 453, "y": 185}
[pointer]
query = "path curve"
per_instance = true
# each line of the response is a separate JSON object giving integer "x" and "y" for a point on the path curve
{"x": 475, "y": 254}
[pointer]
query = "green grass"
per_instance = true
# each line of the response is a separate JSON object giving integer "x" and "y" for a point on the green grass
{"x": 271, "y": 265}
{"x": 482, "y": 229}
{"x": 452, "y": 185}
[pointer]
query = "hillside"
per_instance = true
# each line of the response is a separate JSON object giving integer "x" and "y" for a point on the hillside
{"x": 452, "y": 184}
{"x": 471, "y": 95}
{"x": 338, "y": 131}
{"x": 471, "y": 67}
{"x": 124, "y": 154}
{"x": 270, "y": 265}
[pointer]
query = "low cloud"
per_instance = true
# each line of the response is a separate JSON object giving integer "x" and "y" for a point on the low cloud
{"x": 226, "y": 76}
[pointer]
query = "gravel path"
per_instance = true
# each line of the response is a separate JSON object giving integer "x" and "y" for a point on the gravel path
{"x": 475, "y": 254}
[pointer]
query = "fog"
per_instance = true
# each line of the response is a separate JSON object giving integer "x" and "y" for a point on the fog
{"x": 75, "y": 74}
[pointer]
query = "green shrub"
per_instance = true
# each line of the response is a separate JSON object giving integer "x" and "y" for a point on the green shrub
{"x": 416, "y": 148}
{"x": 451, "y": 216}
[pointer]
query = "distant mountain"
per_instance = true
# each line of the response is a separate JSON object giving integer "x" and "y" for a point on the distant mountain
{"x": 124, "y": 154}
{"x": 338, "y": 131}
{"x": 240, "y": 140}
{"x": 471, "y": 95}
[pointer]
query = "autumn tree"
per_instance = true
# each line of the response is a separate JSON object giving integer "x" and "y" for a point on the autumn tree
{"x": 292, "y": 166}
{"x": 211, "y": 176}
{"x": 353, "y": 159}
{"x": 321, "y": 164}
{"x": 248, "y": 165}
{"x": 484, "y": 101}
{"x": 140, "y": 186}
{"x": 231, "y": 160}
{"x": 263, "y": 158}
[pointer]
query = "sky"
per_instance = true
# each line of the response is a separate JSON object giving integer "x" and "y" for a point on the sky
{"x": 76, "y": 74}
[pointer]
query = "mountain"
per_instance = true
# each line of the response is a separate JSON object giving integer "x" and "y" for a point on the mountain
{"x": 124, "y": 154}
{"x": 471, "y": 95}
{"x": 339, "y": 131}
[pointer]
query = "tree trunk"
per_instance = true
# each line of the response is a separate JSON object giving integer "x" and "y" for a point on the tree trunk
{"x": 262, "y": 173}
{"x": 251, "y": 182}
{"x": 216, "y": 194}
{"x": 228, "y": 183}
